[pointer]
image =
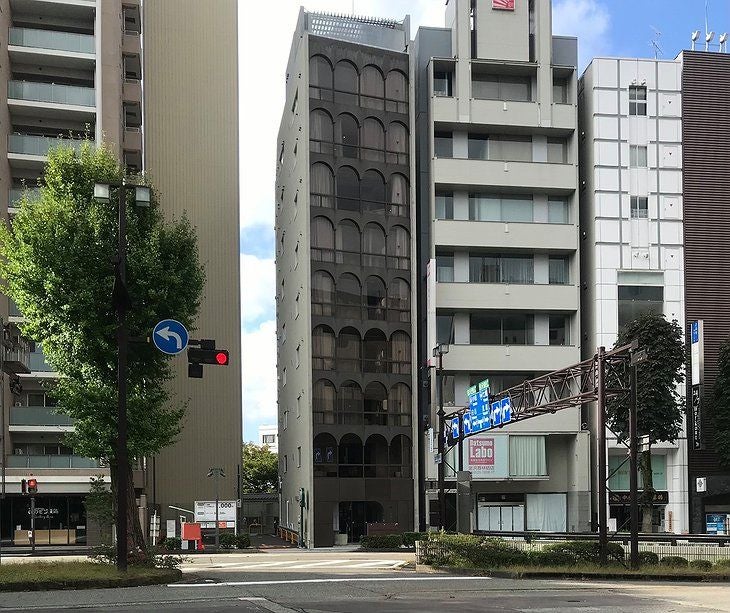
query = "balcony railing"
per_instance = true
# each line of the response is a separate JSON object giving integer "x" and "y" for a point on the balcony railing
{"x": 52, "y": 39}
{"x": 38, "y": 362}
{"x": 51, "y": 92}
{"x": 39, "y": 145}
{"x": 38, "y": 416}
{"x": 51, "y": 461}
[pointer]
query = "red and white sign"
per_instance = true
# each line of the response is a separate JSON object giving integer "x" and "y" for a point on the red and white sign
{"x": 503, "y": 5}
{"x": 481, "y": 452}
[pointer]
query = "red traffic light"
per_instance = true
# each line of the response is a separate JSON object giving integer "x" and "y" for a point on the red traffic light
{"x": 221, "y": 358}
{"x": 32, "y": 486}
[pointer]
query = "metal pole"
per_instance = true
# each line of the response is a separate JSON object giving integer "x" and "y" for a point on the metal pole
{"x": 122, "y": 459}
{"x": 634, "y": 467}
{"x": 217, "y": 528}
{"x": 32, "y": 524}
{"x": 601, "y": 456}
{"x": 2, "y": 429}
{"x": 441, "y": 446}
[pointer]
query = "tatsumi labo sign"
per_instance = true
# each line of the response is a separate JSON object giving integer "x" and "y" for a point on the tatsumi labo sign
{"x": 697, "y": 351}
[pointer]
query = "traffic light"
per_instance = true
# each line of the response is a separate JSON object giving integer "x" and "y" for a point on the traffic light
{"x": 205, "y": 353}
{"x": 32, "y": 486}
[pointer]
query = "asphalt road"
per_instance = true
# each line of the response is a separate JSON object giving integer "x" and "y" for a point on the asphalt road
{"x": 349, "y": 582}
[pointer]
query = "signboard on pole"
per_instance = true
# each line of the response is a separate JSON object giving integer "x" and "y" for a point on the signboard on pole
{"x": 697, "y": 357}
{"x": 205, "y": 511}
{"x": 716, "y": 523}
{"x": 487, "y": 456}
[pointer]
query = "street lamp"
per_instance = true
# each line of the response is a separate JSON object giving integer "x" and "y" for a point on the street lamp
{"x": 439, "y": 351}
{"x": 122, "y": 304}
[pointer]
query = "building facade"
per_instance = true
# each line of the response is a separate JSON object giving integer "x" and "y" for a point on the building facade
{"x": 498, "y": 258}
{"x": 632, "y": 253}
{"x": 344, "y": 280}
{"x": 269, "y": 437}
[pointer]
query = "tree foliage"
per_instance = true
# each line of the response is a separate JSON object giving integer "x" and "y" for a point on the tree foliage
{"x": 260, "y": 468}
{"x": 57, "y": 265}
{"x": 99, "y": 503}
{"x": 719, "y": 406}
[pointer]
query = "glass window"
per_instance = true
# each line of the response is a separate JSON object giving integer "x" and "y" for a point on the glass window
{"x": 348, "y": 189}
{"x": 478, "y": 146}
{"x": 320, "y": 72}
{"x": 502, "y": 87}
{"x": 400, "y": 353}
{"x": 348, "y": 350}
{"x": 397, "y": 142}
{"x": 372, "y": 88}
{"x": 637, "y": 100}
{"x": 346, "y": 82}
{"x": 373, "y": 140}
{"x": 399, "y": 248}
{"x": 373, "y": 245}
{"x": 558, "y": 330}
{"x": 560, "y": 90}
{"x": 323, "y": 402}
{"x": 399, "y": 300}
{"x": 558, "y": 210}
{"x": 372, "y": 192}
{"x": 443, "y": 145}
{"x": 484, "y": 269}
{"x": 445, "y": 328}
{"x": 445, "y": 268}
{"x": 510, "y": 148}
{"x": 518, "y": 329}
{"x": 375, "y": 298}
{"x": 348, "y": 135}
{"x": 517, "y": 269}
{"x": 396, "y": 92}
{"x": 485, "y": 87}
{"x": 322, "y": 185}
{"x": 485, "y": 329}
{"x": 559, "y": 270}
{"x": 348, "y": 297}
{"x": 400, "y": 195}
{"x": 444, "y": 205}
{"x": 637, "y": 156}
{"x": 557, "y": 151}
{"x": 323, "y": 294}
{"x": 635, "y": 300}
{"x": 443, "y": 83}
{"x": 323, "y": 239}
{"x": 484, "y": 207}
{"x": 517, "y": 208}
{"x": 348, "y": 242}
{"x": 527, "y": 456}
{"x": 321, "y": 132}
{"x": 323, "y": 348}
{"x": 639, "y": 207}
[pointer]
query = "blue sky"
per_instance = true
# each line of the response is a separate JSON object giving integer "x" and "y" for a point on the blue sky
{"x": 604, "y": 27}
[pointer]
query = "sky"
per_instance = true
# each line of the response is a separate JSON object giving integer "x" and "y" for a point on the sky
{"x": 603, "y": 27}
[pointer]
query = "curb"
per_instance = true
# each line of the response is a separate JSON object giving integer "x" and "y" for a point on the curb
{"x": 169, "y": 575}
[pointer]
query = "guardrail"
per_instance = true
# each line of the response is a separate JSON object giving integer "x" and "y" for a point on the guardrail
{"x": 290, "y": 536}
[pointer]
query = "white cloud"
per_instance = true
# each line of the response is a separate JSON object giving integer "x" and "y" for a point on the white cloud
{"x": 259, "y": 381}
{"x": 589, "y": 20}
{"x": 257, "y": 288}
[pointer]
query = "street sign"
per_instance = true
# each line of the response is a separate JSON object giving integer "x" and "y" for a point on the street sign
{"x": 701, "y": 484}
{"x": 205, "y": 511}
{"x": 644, "y": 443}
{"x": 170, "y": 336}
{"x": 438, "y": 458}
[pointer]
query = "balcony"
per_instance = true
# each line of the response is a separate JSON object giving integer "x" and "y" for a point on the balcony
{"x": 538, "y": 176}
{"x": 30, "y": 152}
{"x": 38, "y": 363}
{"x": 51, "y": 47}
{"x": 17, "y": 352}
{"x": 15, "y": 195}
{"x": 51, "y": 100}
{"x": 514, "y": 358}
{"x": 507, "y": 235}
{"x": 506, "y": 296}
{"x": 39, "y": 419}
{"x": 51, "y": 461}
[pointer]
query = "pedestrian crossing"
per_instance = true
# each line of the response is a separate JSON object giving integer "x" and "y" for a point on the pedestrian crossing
{"x": 299, "y": 565}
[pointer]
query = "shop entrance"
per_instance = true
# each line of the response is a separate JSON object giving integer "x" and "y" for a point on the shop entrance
{"x": 355, "y": 515}
{"x": 59, "y": 520}
{"x": 500, "y": 518}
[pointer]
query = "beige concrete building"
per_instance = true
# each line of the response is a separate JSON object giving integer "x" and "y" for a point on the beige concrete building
{"x": 75, "y": 68}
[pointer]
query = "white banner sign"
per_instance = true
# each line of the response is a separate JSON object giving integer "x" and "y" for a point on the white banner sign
{"x": 205, "y": 510}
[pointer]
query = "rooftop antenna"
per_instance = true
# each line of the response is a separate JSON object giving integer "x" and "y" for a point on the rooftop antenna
{"x": 695, "y": 36}
{"x": 709, "y": 34}
{"x": 723, "y": 43}
{"x": 654, "y": 42}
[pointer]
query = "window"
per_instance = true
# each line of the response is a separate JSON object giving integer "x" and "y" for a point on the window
{"x": 397, "y": 143}
{"x": 635, "y": 300}
{"x": 321, "y": 132}
{"x": 559, "y": 330}
{"x": 298, "y": 356}
{"x": 557, "y": 151}
{"x": 527, "y": 456}
{"x": 559, "y": 270}
{"x": 637, "y": 156}
{"x": 372, "y": 88}
{"x": 560, "y": 90}
{"x": 295, "y": 103}
{"x": 375, "y": 298}
{"x": 400, "y": 196}
{"x": 511, "y": 148}
{"x": 373, "y": 140}
{"x": 445, "y": 268}
{"x": 283, "y": 333}
{"x": 323, "y": 240}
{"x": 518, "y": 329}
{"x": 495, "y": 207}
{"x": 443, "y": 83}
{"x": 399, "y": 248}
{"x": 349, "y": 299}
{"x": 501, "y": 269}
{"x": 323, "y": 348}
{"x": 443, "y": 145}
{"x": 323, "y": 402}
{"x": 400, "y": 353}
{"x": 299, "y": 457}
{"x": 396, "y": 92}
{"x": 478, "y": 147}
{"x": 558, "y": 210}
{"x": 445, "y": 328}
{"x": 349, "y": 350}
{"x": 502, "y": 87}
{"x": 487, "y": 329}
{"x": 399, "y": 300}
{"x": 639, "y": 207}
{"x": 373, "y": 246}
{"x": 346, "y": 82}
{"x": 320, "y": 78}
{"x": 283, "y": 376}
{"x": 373, "y": 192}
{"x": 444, "y": 205}
{"x": 269, "y": 439}
{"x": 637, "y": 100}
{"x": 348, "y": 136}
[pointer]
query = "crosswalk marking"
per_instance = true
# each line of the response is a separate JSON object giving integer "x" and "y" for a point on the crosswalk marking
{"x": 340, "y": 563}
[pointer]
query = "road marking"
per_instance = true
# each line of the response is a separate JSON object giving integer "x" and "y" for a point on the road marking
{"x": 267, "y": 604}
{"x": 320, "y": 563}
{"x": 338, "y": 580}
{"x": 389, "y": 564}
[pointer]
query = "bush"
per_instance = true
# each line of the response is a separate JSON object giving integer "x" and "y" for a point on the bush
{"x": 723, "y": 564}
{"x": 588, "y": 552}
{"x": 410, "y": 538}
{"x": 702, "y": 565}
{"x": 228, "y": 540}
{"x": 382, "y": 541}
{"x": 243, "y": 541}
{"x": 648, "y": 558}
{"x": 143, "y": 558}
{"x": 551, "y": 558}
{"x": 172, "y": 543}
{"x": 475, "y": 551}
{"x": 674, "y": 562}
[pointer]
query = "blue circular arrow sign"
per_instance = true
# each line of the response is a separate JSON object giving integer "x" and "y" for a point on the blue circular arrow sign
{"x": 170, "y": 336}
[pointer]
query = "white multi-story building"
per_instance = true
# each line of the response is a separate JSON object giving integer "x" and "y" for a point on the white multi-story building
{"x": 632, "y": 252}
{"x": 269, "y": 437}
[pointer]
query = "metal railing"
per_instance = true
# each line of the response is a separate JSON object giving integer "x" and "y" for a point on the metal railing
{"x": 39, "y": 145}
{"x": 362, "y": 365}
{"x": 360, "y": 418}
{"x": 52, "y": 39}
{"x": 358, "y": 152}
{"x": 359, "y": 205}
{"x": 51, "y": 461}
{"x": 330, "y": 94}
{"x": 38, "y": 416}
{"x": 51, "y": 92}
{"x": 38, "y": 362}
{"x": 357, "y": 258}
{"x": 363, "y": 313}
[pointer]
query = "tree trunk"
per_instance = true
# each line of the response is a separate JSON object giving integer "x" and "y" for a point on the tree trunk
{"x": 135, "y": 537}
{"x": 647, "y": 495}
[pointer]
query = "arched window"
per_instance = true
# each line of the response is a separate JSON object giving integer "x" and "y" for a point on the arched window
{"x": 372, "y": 192}
{"x": 376, "y": 456}
{"x": 323, "y": 348}
{"x": 322, "y": 186}
{"x": 323, "y": 240}
{"x": 399, "y": 195}
{"x": 399, "y": 300}
{"x": 375, "y": 405}
{"x": 348, "y": 350}
{"x": 324, "y": 452}
{"x": 321, "y": 132}
{"x": 375, "y": 352}
{"x": 400, "y": 353}
{"x": 349, "y": 299}
{"x": 397, "y": 143}
{"x": 346, "y": 82}
{"x": 375, "y": 298}
{"x": 399, "y": 248}
{"x": 396, "y": 92}
{"x": 373, "y": 140}
{"x": 349, "y": 404}
{"x": 348, "y": 243}
{"x": 320, "y": 78}
{"x": 350, "y": 456}
{"x": 348, "y": 189}
{"x": 401, "y": 457}
{"x": 323, "y": 294}
{"x": 372, "y": 88}
{"x": 323, "y": 402}
{"x": 399, "y": 405}
{"x": 373, "y": 246}
{"x": 348, "y": 136}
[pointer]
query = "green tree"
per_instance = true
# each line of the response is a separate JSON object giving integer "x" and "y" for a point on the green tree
{"x": 719, "y": 405}
{"x": 260, "y": 468}
{"x": 57, "y": 265}
{"x": 659, "y": 404}
{"x": 99, "y": 503}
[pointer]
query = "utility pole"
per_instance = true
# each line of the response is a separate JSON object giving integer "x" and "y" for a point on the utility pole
{"x": 636, "y": 358}
{"x": 439, "y": 352}
{"x": 216, "y": 473}
{"x": 32, "y": 524}
{"x": 601, "y": 456}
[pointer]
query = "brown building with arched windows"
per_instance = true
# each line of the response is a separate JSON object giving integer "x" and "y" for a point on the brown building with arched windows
{"x": 345, "y": 281}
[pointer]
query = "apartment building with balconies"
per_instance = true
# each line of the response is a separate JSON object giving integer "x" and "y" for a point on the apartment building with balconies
{"x": 496, "y": 135}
